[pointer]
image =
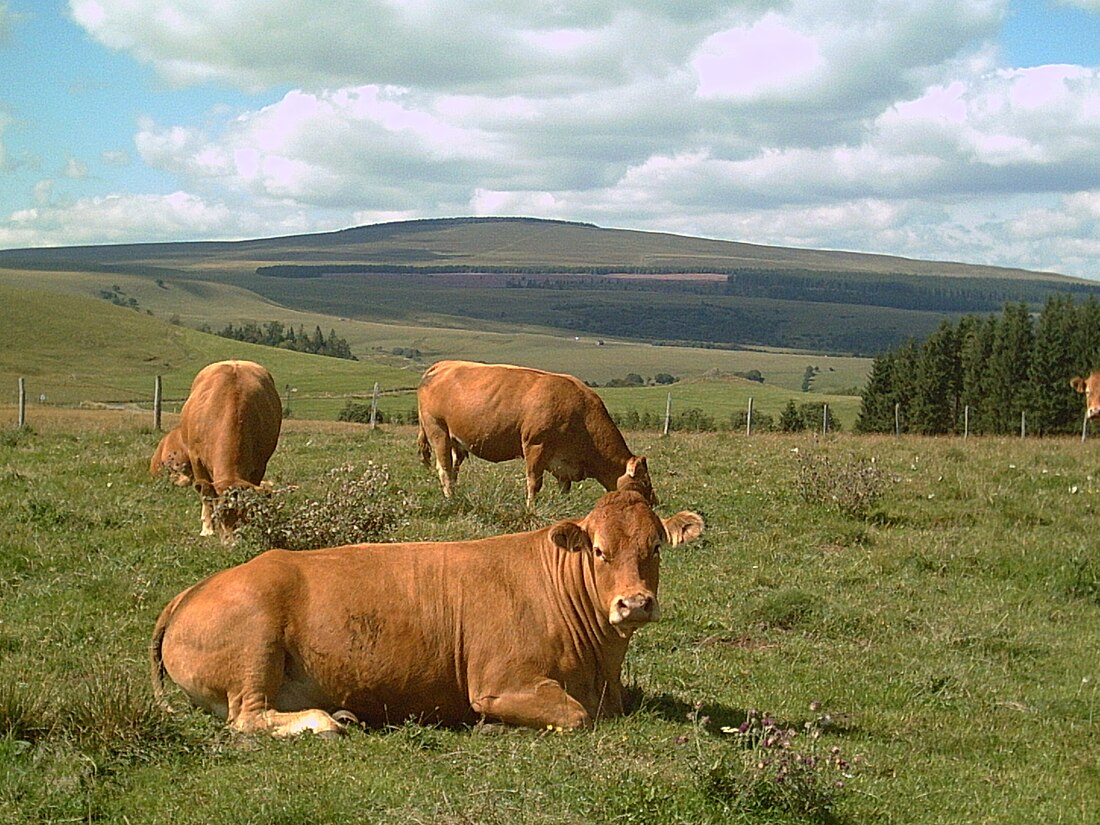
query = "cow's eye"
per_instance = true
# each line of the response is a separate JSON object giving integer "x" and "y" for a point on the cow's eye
{"x": 598, "y": 551}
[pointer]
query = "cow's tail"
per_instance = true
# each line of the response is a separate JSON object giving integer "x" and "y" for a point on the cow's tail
{"x": 157, "y": 670}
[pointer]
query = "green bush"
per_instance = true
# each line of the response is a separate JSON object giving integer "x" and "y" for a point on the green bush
{"x": 355, "y": 506}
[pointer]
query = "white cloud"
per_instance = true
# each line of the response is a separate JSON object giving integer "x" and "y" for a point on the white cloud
{"x": 120, "y": 218}
{"x": 883, "y": 126}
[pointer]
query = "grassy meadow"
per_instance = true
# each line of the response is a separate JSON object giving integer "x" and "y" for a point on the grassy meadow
{"x": 930, "y": 607}
{"x": 76, "y": 349}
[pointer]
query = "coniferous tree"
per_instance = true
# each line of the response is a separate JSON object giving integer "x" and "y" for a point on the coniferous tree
{"x": 936, "y": 384}
{"x": 976, "y": 343}
{"x": 1009, "y": 365}
{"x": 790, "y": 420}
{"x": 1051, "y": 403}
{"x": 876, "y": 409}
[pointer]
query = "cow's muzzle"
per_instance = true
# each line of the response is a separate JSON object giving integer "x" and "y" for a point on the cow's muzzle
{"x": 633, "y": 611}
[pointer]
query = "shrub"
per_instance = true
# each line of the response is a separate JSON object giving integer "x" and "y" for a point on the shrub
{"x": 851, "y": 487}
{"x": 356, "y": 506}
{"x": 777, "y": 769}
{"x": 359, "y": 413}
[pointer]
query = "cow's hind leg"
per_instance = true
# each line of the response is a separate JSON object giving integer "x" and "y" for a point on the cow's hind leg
{"x": 544, "y": 705}
{"x": 251, "y": 711}
{"x": 534, "y": 456}
{"x": 282, "y": 724}
{"x": 444, "y": 448}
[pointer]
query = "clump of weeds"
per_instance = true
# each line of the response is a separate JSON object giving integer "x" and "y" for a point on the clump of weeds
{"x": 851, "y": 487}
{"x": 773, "y": 768}
{"x": 355, "y": 506}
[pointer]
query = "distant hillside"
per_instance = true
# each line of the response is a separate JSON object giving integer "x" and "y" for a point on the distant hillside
{"x": 515, "y": 243}
{"x": 581, "y": 278}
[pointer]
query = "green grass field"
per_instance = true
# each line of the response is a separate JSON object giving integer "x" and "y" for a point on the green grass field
{"x": 74, "y": 348}
{"x": 937, "y": 599}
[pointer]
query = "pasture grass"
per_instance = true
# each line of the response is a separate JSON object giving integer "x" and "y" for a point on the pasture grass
{"x": 942, "y": 641}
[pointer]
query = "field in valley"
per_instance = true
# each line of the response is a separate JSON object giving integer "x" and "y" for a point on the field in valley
{"x": 74, "y": 350}
{"x": 930, "y": 606}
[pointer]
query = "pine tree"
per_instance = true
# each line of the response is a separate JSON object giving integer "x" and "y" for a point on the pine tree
{"x": 790, "y": 420}
{"x": 975, "y": 345}
{"x": 876, "y": 409}
{"x": 1053, "y": 406}
{"x": 1009, "y": 365}
{"x": 936, "y": 384}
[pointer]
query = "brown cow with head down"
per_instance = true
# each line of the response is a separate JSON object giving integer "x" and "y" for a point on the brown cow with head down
{"x": 172, "y": 455}
{"x": 529, "y": 629}
{"x": 228, "y": 429}
{"x": 499, "y": 412}
{"x": 1090, "y": 387}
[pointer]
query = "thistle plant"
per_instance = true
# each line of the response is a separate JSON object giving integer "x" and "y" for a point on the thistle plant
{"x": 778, "y": 768}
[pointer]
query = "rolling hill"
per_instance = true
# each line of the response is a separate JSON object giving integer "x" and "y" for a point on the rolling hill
{"x": 496, "y": 273}
{"x": 598, "y": 303}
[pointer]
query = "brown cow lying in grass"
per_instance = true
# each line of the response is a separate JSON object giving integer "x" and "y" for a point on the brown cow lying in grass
{"x": 529, "y": 628}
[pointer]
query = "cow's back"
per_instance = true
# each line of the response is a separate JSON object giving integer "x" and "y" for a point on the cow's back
{"x": 492, "y": 408}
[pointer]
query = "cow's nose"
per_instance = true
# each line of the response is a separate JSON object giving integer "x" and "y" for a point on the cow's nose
{"x": 636, "y": 609}
{"x": 1094, "y": 411}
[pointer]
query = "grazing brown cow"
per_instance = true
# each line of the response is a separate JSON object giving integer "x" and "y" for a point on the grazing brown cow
{"x": 171, "y": 455}
{"x": 1091, "y": 388}
{"x": 529, "y": 629}
{"x": 499, "y": 412}
{"x": 228, "y": 429}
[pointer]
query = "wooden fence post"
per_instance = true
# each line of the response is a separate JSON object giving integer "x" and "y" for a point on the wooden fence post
{"x": 157, "y": 398}
{"x": 374, "y": 407}
{"x": 1085, "y": 426}
{"x": 966, "y": 421}
{"x": 1023, "y": 424}
{"x": 22, "y": 402}
{"x": 748, "y": 420}
{"x": 824, "y": 419}
{"x": 668, "y": 413}
{"x": 897, "y": 419}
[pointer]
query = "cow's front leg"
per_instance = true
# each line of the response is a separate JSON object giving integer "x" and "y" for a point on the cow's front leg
{"x": 207, "y": 517}
{"x": 544, "y": 705}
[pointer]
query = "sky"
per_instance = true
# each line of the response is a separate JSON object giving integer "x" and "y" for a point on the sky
{"x": 960, "y": 130}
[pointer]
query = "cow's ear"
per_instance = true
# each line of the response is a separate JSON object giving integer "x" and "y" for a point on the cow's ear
{"x": 1078, "y": 383}
{"x": 683, "y": 527}
{"x": 568, "y": 535}
{"x": 636, "y": 467}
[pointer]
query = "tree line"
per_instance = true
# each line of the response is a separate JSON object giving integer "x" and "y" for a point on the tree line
{"x": 277, "y": 334}
{"x": 985, "y": 373}
{"x": 955, "y": 294}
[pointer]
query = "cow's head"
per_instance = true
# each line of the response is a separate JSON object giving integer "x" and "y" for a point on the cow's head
{"x": 637, "y": 478}
{"x": 227, "y": 503}
{"x": 623, "y": 537}
{"x": 171, "y": 455}
{"x": 1091, "y": 388}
